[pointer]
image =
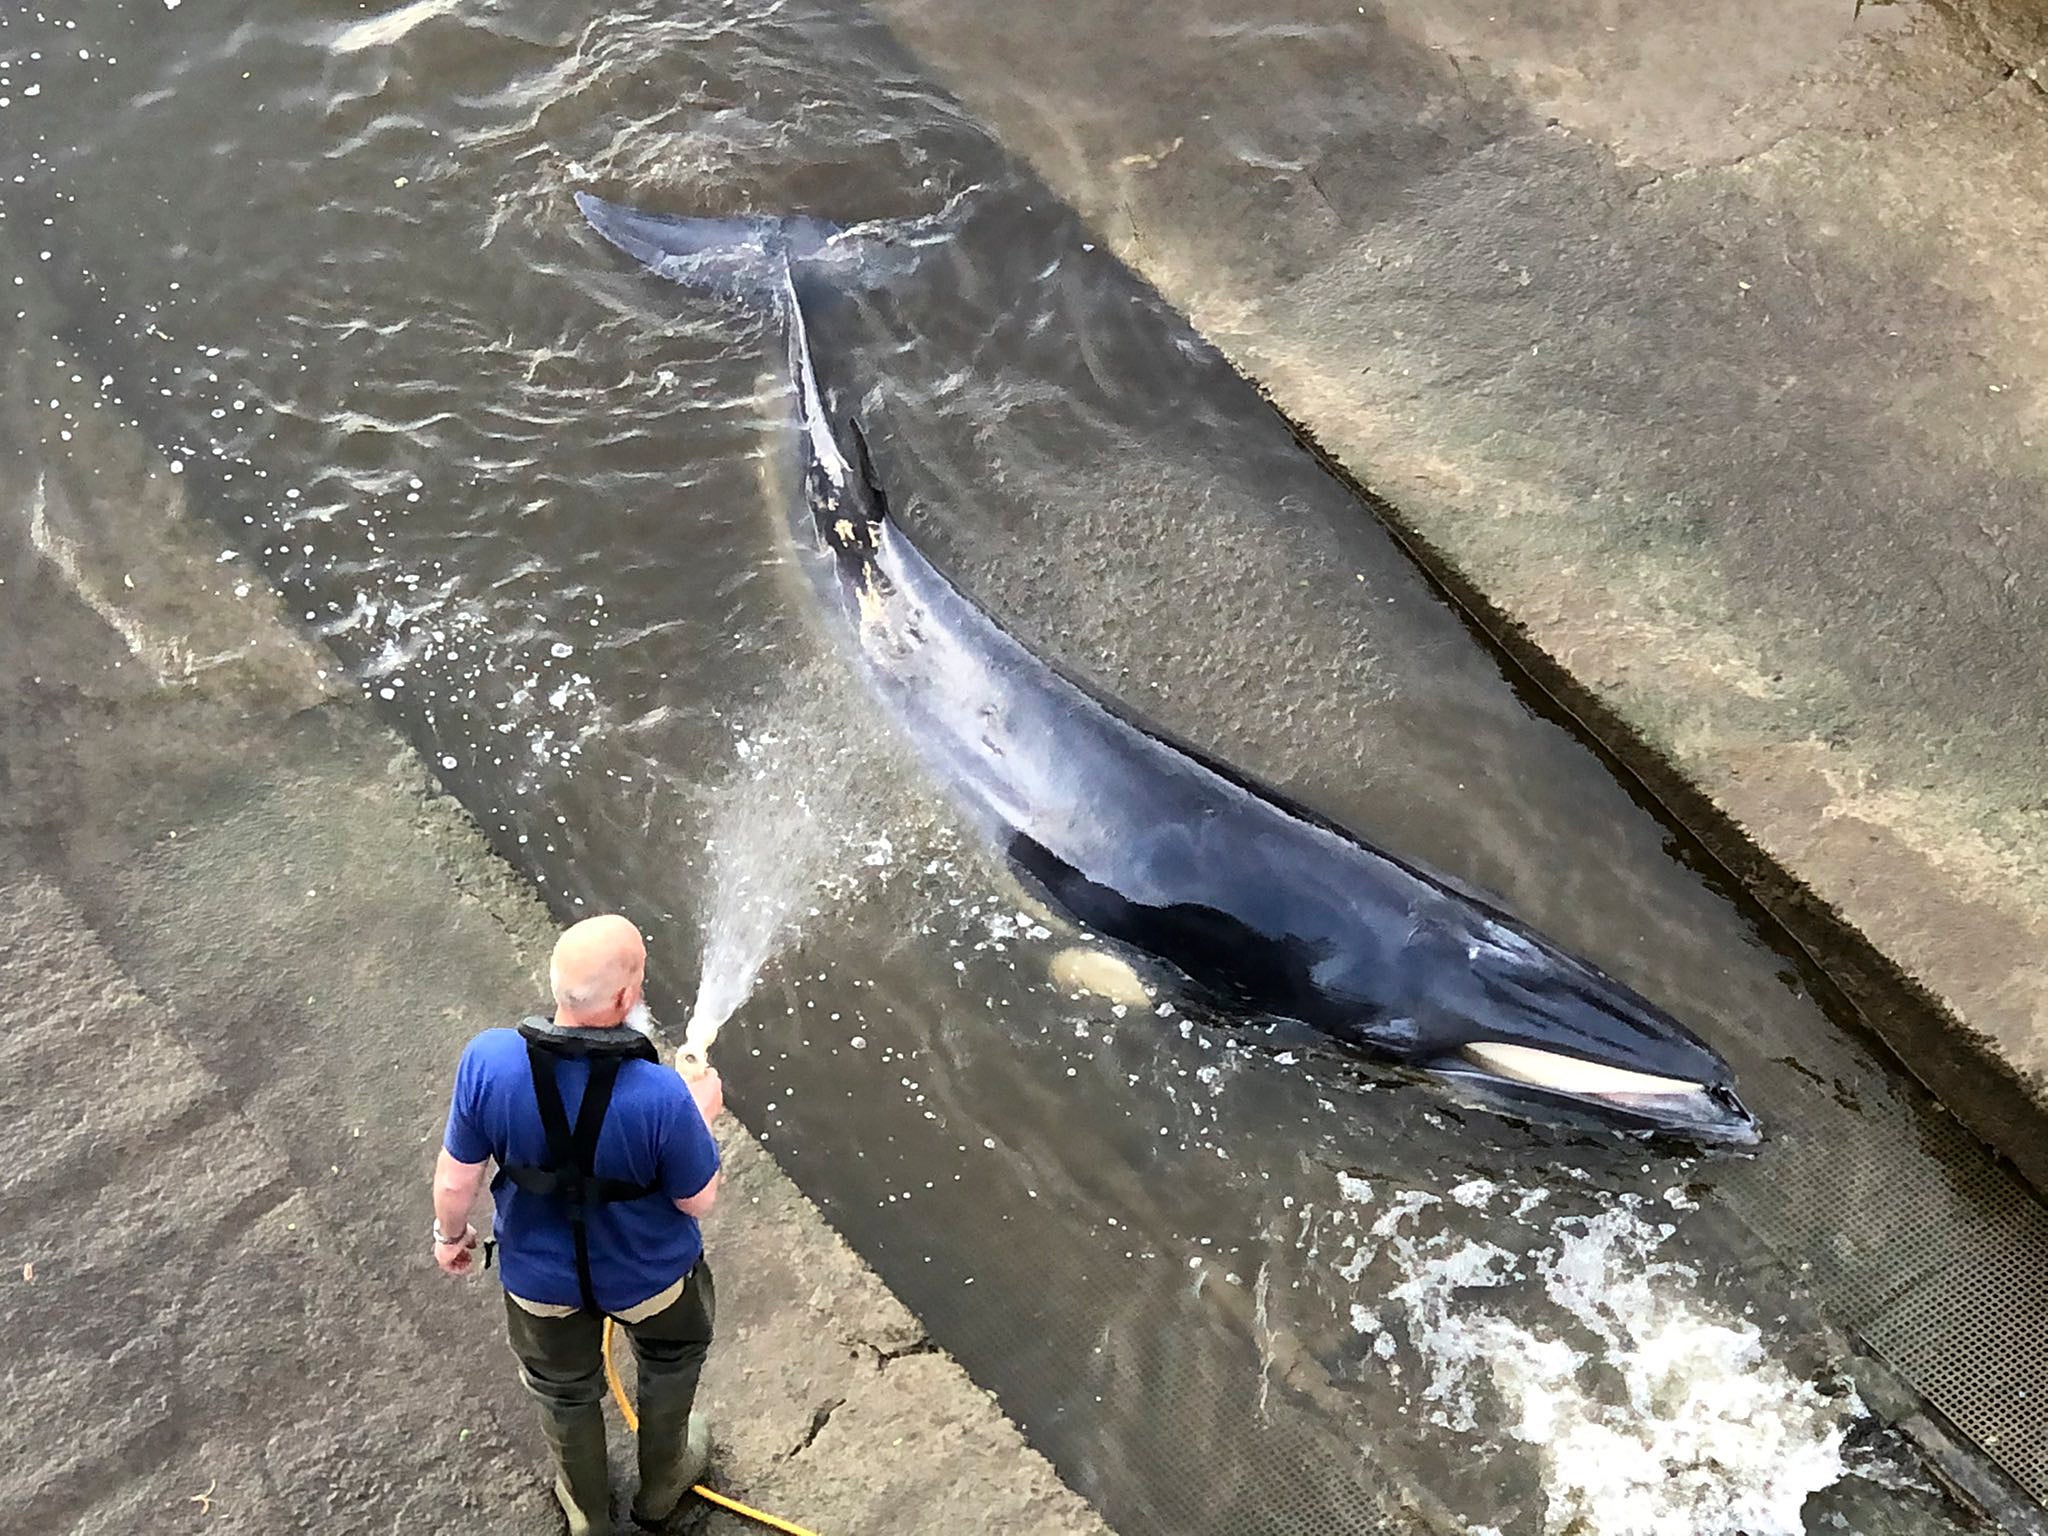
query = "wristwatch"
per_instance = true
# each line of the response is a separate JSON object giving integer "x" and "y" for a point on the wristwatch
{"x": 468, "y": 1233}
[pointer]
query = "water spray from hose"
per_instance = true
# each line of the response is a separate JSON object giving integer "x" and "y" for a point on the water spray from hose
{"x": 786, "y": 836}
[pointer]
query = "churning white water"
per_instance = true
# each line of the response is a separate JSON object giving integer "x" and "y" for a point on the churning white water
{"x": 1698, "y": 1430}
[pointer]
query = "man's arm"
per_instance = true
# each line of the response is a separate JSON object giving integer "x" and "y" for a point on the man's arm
{"x": 699, "y": 1204}
{"x": 707, "y": 1089}
{"x": 459, "y": 1173}
{"x": 456, "y": 1186}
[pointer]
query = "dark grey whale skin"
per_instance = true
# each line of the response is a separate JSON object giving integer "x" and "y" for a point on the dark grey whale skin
{"x": 1263, "y": 908}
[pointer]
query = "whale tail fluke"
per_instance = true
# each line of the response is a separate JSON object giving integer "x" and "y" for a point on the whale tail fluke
{"x": 746, "y": 256}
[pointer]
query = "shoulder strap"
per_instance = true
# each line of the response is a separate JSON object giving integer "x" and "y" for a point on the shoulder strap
{"x": 597, "y": 1103}
{"x": 554, "y": 1123}
{"x": 571, "y": 1172}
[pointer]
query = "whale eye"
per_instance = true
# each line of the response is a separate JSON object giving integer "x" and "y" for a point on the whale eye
{"x": 1567, "y": 1074}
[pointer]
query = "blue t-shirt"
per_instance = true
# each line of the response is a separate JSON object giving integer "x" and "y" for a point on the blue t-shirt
{"x": 653, "y": 1134}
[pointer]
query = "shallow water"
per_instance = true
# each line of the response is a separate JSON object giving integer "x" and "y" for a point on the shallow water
{"x": 326, "y": 257}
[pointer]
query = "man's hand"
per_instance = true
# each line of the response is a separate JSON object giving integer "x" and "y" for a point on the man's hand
{"x": 456, "y": 1186}
{"x": 708, "y": 1089}
{"x": 457, "y": 1258}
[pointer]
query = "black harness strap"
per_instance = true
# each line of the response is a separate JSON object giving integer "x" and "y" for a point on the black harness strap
{"x": 570, "y": 1176}
{"x": 572, "y": 1152}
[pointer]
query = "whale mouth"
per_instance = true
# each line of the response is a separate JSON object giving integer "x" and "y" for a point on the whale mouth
{"x": 1642, "y": 1101}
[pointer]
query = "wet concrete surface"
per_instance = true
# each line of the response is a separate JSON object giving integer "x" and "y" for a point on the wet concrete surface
{"x": 1702, "y": 348}
{"x": 245, "y": 937}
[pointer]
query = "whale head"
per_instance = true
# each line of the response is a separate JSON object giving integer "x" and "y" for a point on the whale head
{"x": 1526, "y": 1029}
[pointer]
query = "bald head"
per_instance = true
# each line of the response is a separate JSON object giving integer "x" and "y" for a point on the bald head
{"x": 597, "y": 971}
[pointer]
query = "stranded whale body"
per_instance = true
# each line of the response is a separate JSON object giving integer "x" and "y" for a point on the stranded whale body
{"x": 1258, "y": 907}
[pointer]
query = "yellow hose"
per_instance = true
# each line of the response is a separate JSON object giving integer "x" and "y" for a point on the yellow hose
{"x": 611, "y": 1374}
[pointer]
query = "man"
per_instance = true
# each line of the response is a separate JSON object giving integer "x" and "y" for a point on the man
{"x": 605, "y": 1163}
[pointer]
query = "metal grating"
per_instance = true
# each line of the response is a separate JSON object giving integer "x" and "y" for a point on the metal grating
{"x": 1939, "y": 1263}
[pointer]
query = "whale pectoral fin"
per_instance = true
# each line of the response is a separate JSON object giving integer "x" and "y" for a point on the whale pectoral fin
{"x": 1096, "y": 971}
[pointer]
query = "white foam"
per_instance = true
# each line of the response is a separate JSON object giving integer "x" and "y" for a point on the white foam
{"x": 1697, "y": 1430}
{"x": 1475, "y": 1193}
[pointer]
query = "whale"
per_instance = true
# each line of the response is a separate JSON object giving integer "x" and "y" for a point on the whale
{"x": 1253, "y": 906}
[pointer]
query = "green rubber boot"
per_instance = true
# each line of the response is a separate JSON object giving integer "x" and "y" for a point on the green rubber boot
{"x": 672, "y": 1462}
{"x": 583, "y": 1479}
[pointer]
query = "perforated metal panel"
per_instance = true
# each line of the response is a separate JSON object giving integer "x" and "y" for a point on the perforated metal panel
{"x": 1939, "y": 1264}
